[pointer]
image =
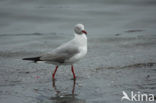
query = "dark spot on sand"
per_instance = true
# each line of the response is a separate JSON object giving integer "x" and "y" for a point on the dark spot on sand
{"x": 148, "y": 76}
{"x": 27, "y": 72}
{"x": 117, "y": 34}
{"x": 36, "y": 90}
{"x": 131, "y": 31}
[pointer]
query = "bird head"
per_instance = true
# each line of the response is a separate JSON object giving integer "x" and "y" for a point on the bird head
{"x": 79, "y": 29}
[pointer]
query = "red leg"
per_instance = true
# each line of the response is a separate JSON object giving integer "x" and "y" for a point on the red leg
{"x": 72, "y": 69}
{"x": 54, "y": 72}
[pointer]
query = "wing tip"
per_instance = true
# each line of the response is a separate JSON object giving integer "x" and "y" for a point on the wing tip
{"x": 34, "y": 59}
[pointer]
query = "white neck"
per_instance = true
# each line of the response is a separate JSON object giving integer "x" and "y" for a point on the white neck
{"x": 82, "y": 39}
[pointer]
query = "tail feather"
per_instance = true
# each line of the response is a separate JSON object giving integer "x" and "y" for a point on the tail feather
{"x": 34, "y": 59}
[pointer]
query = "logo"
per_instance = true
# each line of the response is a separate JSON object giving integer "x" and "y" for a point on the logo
{"x": 137, "y": 96}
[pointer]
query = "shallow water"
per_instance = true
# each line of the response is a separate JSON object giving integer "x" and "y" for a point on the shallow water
{"x": 121, "y": 50}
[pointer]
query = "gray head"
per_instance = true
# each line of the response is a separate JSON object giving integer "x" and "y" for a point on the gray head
{"x": 79, "y": 29}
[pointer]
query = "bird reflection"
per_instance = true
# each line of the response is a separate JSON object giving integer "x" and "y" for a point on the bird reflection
{"x": 65, "y": 98}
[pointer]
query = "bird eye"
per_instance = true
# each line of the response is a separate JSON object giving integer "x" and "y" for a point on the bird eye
{"x": 77, "y": 30}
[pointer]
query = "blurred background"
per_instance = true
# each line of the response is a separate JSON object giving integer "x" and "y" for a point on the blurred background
{"x": 121, "y": 50}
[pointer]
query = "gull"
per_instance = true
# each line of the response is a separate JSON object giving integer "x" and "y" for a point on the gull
{"x": 67, "y": 53}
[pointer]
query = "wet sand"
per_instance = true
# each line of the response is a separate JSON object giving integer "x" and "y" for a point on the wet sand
{"x": 121, "y": 50}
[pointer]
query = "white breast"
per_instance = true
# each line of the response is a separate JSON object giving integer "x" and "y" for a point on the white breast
{"x": 77, "y": 57}
{"x": 81, "y": 42}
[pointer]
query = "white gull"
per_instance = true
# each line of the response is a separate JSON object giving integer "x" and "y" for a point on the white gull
{"x": 68, "y": 53}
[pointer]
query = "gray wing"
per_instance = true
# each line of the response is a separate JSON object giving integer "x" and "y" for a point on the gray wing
{"x": 61, "y": 53}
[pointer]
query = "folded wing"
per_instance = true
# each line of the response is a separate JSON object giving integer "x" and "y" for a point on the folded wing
{"x": 61, "y": 54}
